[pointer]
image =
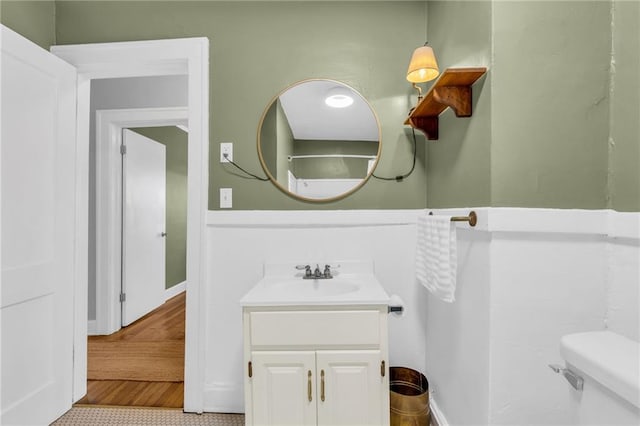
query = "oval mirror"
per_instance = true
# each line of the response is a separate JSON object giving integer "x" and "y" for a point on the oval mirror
{"x": 319, "y": 140}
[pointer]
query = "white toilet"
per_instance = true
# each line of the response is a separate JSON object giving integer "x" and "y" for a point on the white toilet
{"x": 604, "y": 369}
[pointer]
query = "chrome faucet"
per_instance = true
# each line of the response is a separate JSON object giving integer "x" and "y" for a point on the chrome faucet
{"x": 316, "y": 274}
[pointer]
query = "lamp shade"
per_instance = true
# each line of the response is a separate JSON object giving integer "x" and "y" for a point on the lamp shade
{"x": 423, "y": 66}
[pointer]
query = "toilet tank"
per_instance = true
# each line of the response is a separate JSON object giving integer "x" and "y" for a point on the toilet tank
{"x": 609, "y": 364}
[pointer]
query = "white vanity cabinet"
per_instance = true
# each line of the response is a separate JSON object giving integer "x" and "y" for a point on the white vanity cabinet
{"x": 316, "y": 365}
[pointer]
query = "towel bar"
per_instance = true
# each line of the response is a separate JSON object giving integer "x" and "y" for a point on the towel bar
{"x": 472, "y": 218}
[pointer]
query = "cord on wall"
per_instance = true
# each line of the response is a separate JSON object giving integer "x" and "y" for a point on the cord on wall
{"x": 400, "y": 178}
{"x": 243, "y": 170}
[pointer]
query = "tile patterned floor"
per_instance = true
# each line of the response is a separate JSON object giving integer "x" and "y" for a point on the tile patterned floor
{"x": 108, "y": 416}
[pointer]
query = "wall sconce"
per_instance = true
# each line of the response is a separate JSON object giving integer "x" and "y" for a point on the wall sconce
{"x": 422, "y": 67}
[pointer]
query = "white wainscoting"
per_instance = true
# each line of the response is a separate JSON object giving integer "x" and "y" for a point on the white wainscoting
{"x": 527, "y": 277}
{"x": 623, "y": 289}
{"x": 240, "y": 242}
{"x": 457, "y": 334}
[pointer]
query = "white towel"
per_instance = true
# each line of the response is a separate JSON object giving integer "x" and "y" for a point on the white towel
{"x": 436, "y": 255}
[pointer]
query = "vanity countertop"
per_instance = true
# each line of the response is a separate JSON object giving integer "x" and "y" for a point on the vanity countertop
{"x": 353, "y": 283}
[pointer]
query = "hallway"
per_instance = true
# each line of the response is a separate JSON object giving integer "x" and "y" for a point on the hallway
{"x": 142, "y": 364}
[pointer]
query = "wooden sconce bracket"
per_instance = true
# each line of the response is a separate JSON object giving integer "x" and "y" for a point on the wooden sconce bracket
{"x": 427, "y": 125}
{"x": 451, "y": 90}
{"x": 458, "y": 98}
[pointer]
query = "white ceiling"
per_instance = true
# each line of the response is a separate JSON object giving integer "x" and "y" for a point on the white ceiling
{"x": 310, "y": 118}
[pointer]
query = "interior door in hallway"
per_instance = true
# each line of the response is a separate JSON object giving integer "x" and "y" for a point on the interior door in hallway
{"x": 144, "y": 199}
{"x": 38, "y": 198}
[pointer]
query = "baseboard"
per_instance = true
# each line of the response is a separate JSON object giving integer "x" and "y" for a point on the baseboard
{"x": 175, "y": 290}
{"x": 91, "y": 328}
{"x": 437, "y": 418}
{"x": 223, "y": 398}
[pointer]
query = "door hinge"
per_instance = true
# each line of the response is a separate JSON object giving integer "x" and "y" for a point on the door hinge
{"x": 382, "y": 369}
{"x": 123, "y": 149}
{"x": 123, "y": 297}
{"x": 250, "y": 368}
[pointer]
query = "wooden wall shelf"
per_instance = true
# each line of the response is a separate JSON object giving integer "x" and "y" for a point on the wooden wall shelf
{"x": 452, "y": 89}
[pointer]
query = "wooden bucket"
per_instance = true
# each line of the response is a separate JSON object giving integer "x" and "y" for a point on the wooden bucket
{"x": 409, "y": 397}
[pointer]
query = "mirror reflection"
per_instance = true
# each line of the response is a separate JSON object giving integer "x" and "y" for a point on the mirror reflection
{"x": 319, "y": 140}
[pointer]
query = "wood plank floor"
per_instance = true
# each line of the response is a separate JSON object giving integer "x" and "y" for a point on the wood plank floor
{"x": 142, "y": 364}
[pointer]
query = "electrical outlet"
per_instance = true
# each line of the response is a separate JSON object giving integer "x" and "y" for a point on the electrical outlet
{"x": 226, "y": 148}
{"x": 226, "y": 198}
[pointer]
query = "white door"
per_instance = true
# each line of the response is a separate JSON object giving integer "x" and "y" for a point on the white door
{"x": 283, "y": 388}
{"x": 37, "y": 200}
{"x": 143, "y": 248}
{"x": 351, "y": 388}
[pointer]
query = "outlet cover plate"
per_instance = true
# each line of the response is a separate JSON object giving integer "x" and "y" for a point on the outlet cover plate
{"x": 226, "y": 148}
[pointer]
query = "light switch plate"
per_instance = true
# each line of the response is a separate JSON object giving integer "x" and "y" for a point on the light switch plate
{"x": 226, "y": 148}
{"x": 226, "y": 198}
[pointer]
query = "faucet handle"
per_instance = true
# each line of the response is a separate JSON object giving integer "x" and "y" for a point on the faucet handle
{"x": 327, "y": 271}
{"x": 307, "y": 269}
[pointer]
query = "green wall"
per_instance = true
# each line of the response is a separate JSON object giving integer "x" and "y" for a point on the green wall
{"x": 624, "y": 145}
{"x": 550, "y": 104}
{"x": 459, "y": 163}
{"x": 554, "y": 125}
{"x": 35, "y": 20}
{"x": 258, "y": 49}
{"x": 175, "y": 141}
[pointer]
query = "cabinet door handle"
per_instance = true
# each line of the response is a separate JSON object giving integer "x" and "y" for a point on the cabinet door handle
{"x": 322, "y": 385}
{"x": 382, "y": 368}
{"x": 309, "y": 386}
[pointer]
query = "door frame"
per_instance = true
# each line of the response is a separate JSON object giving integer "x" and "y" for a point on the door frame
{"x": 188, "y": 56}
{"x": 109, "y": 126}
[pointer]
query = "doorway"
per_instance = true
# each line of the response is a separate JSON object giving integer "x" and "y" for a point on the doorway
{"x": 104, "y": 307}
{"x": 142, "y": 364}
{"x": 140, "y": 59}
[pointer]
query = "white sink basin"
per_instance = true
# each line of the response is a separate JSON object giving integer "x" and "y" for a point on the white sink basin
{"x": 283, "y": 285}
{"x": 315, "y": 288}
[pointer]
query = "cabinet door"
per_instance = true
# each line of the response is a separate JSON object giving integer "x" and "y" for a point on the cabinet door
{"x": 351, "y": 389}
{"x": 283, "y": 388}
